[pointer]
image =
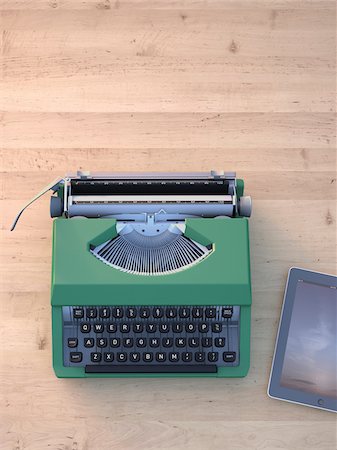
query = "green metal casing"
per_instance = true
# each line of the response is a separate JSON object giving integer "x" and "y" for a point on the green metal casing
{"x": 78, "y": 278}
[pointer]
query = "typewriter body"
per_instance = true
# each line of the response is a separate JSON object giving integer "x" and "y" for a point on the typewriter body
{"x": 150, "y": 275}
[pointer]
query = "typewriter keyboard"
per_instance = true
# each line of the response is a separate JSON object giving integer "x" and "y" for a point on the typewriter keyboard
{"x": 151, "y": 339}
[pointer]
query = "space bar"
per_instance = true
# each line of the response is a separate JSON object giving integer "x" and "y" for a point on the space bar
{"x": 210, "y": 368}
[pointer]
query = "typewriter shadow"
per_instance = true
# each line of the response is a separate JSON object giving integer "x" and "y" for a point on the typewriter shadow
{"x": 166, "y": 399}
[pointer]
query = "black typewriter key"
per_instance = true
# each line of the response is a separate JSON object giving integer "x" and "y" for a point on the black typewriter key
{"x": 164, "y": 328}
{"x": 131, "y": 313}
{"x": 206, "y": 342}
{"x": 141, "y": 342}
{"x": 190, "y": 327}
{"x": 197, "y": 313}
{"x": 102, "y": 342}
{"x": 117, "y": 312}
{"x": 104, "y": 313}
{"x": 137, "y": 327}
{"x": 147, "y": 357}
{"x": 108, "y": 356}
{"x": 122, "y": 357}
{"x": 160, "y": 357}
{"x": 85, "y": 327}
{"x": 91, "y": 313}
{"x": 158, "y": 313}
{"x": 75, "y": 357}
{"x": 134, "y": 357}
{"x": 229, "y": 356}
{"x": 167, "y": 342}
{"x": 177, "y": 327}
{"x": 187, "y": 356}
{"x": 216, "y": 327}
{"x": 210, "y": 313}
{"x": 227, "y": 313}
{"x": 151, "y": 328}
{"x": 171, "y": 313}
{"x": 98, "y": 328}
{"x": 219, "y": 342}
{"x": 95, "y": 357}
{"x": 203, "y": 327}
{"x": 112, "y": 328}
{"x": 212, "y": 356}
{"x": 78, "y": 313}
{"x": 115, "y": 342}
{"x": 184, "y": 313}
{"x": 72, "y": 342}
{"x": 180, "y": 342}
{"x": 128, "y": 342}
{"x": 193, "y": 342}
{"x": 174, "y": 356}
{"x": 199, "y": 357}
{"x": 154, "y": 342}
{"x": 144, "y": 312}
{"x": 89, "y": 342}
{"x": 125, "y": 328}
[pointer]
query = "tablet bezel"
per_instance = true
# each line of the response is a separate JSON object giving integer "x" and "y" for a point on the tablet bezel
{"x": 275, "y": 390}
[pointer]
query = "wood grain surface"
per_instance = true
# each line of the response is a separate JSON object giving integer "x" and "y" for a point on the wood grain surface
{"x": 155, "y": 85}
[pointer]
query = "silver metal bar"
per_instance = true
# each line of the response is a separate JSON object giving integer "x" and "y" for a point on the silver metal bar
{"x": 195, "y": 209}
{"x": 105, "y": 199}
{"x": 151, "y": 175}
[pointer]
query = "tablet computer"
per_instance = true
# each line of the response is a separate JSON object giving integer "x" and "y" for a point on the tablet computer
{"x": 304, "y": 368}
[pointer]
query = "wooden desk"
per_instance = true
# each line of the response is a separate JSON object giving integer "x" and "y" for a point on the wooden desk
{"x": 165, "y": 85}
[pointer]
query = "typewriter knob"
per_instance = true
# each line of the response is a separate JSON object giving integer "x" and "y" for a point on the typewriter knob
{"x": 245, "y": 206}
{"x": 56, "y": 207}
{"x": 83, "y": 174}
{"x": 217, "y": 173}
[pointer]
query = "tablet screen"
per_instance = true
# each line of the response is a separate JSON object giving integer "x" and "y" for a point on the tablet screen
{"x": 311, "y": 350}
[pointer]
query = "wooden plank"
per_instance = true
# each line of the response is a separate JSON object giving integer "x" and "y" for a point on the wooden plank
{"x": 164, "y": 33}
{"x": 108, "y": 84}
{"x": 50, "y": 162}
{"x": 170, "y": 130}
{"x": 111, "y": 433}
{"x": 158, "y": 4}
{"x": 287, "y": 20}
{"x": 227, "y": 67}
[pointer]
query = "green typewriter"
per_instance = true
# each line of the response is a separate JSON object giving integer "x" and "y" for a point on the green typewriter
{"x": 150, "y": 275}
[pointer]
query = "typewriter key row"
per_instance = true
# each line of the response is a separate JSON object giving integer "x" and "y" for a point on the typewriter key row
{"x": 146, "y": 312}
{"x": 192, "y": 342}
{"x": 163, "y": 327}
{"x": 134, "y": 357}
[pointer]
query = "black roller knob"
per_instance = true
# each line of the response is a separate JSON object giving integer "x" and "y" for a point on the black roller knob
{"x": 56, "y": 207}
